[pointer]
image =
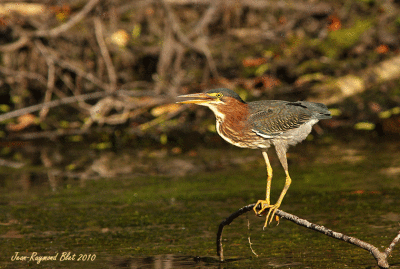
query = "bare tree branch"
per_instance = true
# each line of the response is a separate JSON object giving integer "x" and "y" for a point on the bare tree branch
{"x": 380, "y": 257}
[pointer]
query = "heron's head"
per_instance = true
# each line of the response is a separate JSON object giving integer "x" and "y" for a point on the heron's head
{"x": 218, "y": 100}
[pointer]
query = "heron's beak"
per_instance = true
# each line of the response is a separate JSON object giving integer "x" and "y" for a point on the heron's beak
{"x": 196, "y": 98}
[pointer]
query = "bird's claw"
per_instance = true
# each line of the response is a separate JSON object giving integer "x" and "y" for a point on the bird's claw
{"x": 261, "y": 206}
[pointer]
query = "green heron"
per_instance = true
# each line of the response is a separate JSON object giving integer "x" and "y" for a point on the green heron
{"x": 260, "y": 124}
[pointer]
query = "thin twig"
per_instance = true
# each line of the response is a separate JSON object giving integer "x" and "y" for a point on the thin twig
{"x": 199, "y": 46}
{"x": 65, "y": 64}
{"x": 73, "y": 20}
{"x": 94, "y": 95}
{"x": 63, "y": 76}
{"x": 248, "y": 230}
{"x": 104, "y": 52}
{"x": 208, "y": 17}
{"x": 63, "y": 101}
{"x": 165, "y": 59}
{"x": 30, "y": 75}
{"x": 51, "y": 135}
{"x": 51, "y": 77}
{"x": 227, "y": 221}
{"x": 380, "y": 257}
{"x": 22, "y": 41}
{"x": 11, "y": 164}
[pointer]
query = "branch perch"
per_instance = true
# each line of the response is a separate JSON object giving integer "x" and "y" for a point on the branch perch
{"x": 380, "y": 257}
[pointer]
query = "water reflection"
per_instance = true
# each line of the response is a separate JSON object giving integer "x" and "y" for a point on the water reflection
{"x": 50, "y": 164}
{"x": 38, "y": 164}
{"x": 169, "y": 261}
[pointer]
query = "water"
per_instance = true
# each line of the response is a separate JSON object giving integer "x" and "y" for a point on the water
{"x": 153, "y": 209}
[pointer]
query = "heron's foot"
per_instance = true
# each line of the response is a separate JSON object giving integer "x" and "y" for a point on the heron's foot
{"x": 263, "y": 205}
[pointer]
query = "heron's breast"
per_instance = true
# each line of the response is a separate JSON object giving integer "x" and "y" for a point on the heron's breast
{"x": 235, "y": 129}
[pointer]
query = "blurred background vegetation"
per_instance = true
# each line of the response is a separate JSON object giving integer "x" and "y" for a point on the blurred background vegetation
{"x": 106, "y": 73}
{"x": 89, "y": 120}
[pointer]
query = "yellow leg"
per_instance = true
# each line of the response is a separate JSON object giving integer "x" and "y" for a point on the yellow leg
{"x": 273, "y": 208}
{"x": 265, "y": 203}
{"x": 281, "y": 148}
{"x": 269, "y": 176}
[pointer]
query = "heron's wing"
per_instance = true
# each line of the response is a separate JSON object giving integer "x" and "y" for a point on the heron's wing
{"x": 270, "y": 119}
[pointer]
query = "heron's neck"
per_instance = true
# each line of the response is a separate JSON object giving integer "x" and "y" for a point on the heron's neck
{"x": 220, "y": 116}
{"x": 233, "y": 111}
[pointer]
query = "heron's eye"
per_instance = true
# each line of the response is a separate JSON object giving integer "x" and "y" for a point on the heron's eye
{"x": 219, "y": 95}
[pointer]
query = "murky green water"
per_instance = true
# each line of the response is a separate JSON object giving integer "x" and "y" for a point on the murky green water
{"x": 142, "y": 221}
